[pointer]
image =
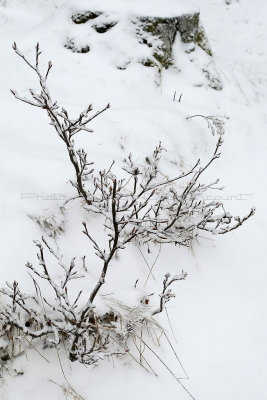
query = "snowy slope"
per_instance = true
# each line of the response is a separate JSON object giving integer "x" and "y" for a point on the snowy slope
{"x": 219, "y": 311}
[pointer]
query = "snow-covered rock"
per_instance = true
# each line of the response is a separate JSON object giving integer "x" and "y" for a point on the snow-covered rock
{"x": 157, "y": 33}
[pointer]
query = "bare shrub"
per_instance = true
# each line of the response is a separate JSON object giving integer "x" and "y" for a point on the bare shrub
{"x": 136, "y": 208}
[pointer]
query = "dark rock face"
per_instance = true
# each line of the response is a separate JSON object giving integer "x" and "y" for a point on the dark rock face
{"x": 82, "y": 17}
{"x": 104, "y": 26}
{"x": 162, "y": 28}
{"x": 70, "y": 45}
{"x": 188, "y": 26}
{"x": 166, "y": 29}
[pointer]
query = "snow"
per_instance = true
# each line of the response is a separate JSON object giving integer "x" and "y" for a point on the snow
{"x": 219, "y": 310}
{"x": 156, "y": 8}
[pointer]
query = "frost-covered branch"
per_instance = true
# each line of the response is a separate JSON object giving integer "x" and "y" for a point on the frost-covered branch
{"x": 57, "y": 319}
{"x": 136, "y": 207}
{"x": 167, "y": 293}
{"x": 65, "y": 127}
{"x": 143, "y": 206}
{"x": 215, "y": 123}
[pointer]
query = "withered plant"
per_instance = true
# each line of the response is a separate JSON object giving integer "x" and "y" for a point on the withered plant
{"x": 138, "y": 207}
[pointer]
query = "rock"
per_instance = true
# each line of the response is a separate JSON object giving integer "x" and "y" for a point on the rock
{"x": 75, "y": 48}
{"x": 103, "y": 27}
{"x": 213, "y": 77}
{"x": 162, "y": 28}
{"x": 188, "y": 26}
{"x": 159, "y": 34}
{"x": 166, "y": 29}
{"x": 82, "y": 17}
{"x": 147, "y": 62}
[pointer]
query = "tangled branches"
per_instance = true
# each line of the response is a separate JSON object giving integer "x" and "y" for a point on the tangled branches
{"x": 139, "y": 207}
{"x": 89, "y": 337}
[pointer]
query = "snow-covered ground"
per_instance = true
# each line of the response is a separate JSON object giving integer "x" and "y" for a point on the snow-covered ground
{"x": 219, "y": 314}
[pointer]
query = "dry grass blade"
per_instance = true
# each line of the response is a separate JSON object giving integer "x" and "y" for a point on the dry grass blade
{"x": 71, "y": 389}
{"x": 166, "y": 366}
{"x": 151, "y": 269}
{"x": 169, "y": 321}
{"x": 142, "y": 357}
{"x": 67, "y": 391}
{"x": 176, "y": 356}
{"x": 37, "y": 351}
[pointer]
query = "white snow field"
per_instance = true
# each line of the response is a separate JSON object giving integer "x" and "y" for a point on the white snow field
{"x": 218, "y": 317}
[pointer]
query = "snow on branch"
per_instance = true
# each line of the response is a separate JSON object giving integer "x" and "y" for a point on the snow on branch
{"x": 143, "y": 207}
{"x": 167, "y": 294}
{"x": 135, "y": 208}
{"x": 65, "y": 127}
{"x": 60, "y": 319}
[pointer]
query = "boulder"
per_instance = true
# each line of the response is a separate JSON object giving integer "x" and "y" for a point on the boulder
{"x": 158, "y": 33}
